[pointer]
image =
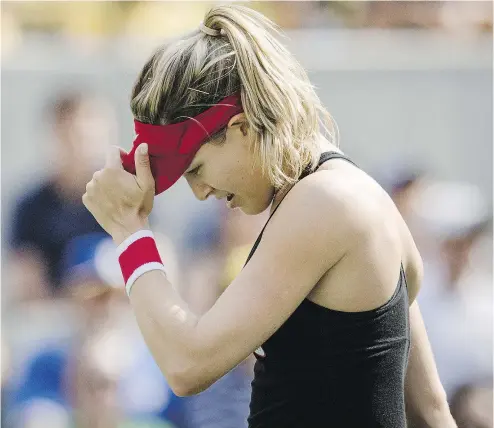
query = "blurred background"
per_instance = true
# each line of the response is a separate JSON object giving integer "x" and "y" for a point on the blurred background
{"x": 409, "y": 84}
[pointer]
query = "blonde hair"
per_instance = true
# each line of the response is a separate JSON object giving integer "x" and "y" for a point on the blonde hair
{"x": 188, "y": 76}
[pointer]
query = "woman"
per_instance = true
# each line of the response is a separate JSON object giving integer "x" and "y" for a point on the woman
{"x": 322, "y": 300}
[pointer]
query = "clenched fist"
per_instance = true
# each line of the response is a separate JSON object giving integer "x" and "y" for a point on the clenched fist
{"x": 119, "y": 201}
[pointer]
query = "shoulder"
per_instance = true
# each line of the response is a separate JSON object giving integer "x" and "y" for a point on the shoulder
{"x": 315, "y": 226}
{"x": 327, "y": 204}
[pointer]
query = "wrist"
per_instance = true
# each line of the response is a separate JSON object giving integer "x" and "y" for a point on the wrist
{"x": 137, "y": 255}
{"x": 121, "y": 233}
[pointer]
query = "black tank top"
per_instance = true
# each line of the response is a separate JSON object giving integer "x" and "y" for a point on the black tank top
{"x": 330, "y": 369}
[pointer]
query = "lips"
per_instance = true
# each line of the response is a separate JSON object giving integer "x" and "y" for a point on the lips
{"x": 230, "y": 201}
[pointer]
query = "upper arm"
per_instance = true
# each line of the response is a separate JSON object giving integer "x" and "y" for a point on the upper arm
{"x": 308, "y": 234}
{"x": 413, "y": 265}
{"x": 424, "y": 392}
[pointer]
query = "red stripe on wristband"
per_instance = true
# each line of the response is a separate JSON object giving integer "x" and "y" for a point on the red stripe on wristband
{"x": 138, "y": 253}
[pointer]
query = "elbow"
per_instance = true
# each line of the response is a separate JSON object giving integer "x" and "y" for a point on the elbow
{"x": 189, "y": 382}
{"x": 190, "y": 372}
{"x": 181, "y": 388}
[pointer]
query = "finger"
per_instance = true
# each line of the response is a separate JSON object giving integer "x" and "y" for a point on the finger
{"x": 144, "y": 175}
{"x": 123, "y": 153}
{"x": 113, "y": 157}
{"x": 96, "y": 210}
{"x": 99, "y": 190}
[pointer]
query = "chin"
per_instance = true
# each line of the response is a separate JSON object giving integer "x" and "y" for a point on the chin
{"x": 249, "y": 211}
{"x": 256, "y": 207}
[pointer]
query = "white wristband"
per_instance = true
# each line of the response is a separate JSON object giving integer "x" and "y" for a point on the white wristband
{"x": 141, "y": 270}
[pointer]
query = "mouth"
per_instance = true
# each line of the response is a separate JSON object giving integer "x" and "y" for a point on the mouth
{"x": 230, "y": 202}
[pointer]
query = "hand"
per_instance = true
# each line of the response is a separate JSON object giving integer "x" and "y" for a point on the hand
{"x": 119, "y": 201}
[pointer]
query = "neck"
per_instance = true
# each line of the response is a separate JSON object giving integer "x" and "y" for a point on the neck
{"x": 282, "y": 191}
{"x": 279, "y": 195}
{"x": 327, "y": 146}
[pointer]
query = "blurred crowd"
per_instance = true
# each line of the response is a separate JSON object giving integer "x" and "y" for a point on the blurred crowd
{"x": 72, "y": 355}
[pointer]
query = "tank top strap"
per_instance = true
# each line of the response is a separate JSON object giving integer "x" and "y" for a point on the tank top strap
{"x": 335, "y": 155}
{"x": 325, "y": 156}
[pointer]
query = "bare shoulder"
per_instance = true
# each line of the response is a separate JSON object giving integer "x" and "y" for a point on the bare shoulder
{"x": 336, "y": 198}
{"x": 325, "y": 207}
{"x": 372, "y": 218}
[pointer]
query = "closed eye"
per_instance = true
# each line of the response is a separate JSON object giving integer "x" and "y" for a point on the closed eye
{"x": 194, "y": 171}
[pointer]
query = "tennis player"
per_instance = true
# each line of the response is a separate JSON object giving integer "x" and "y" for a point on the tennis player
{"x": 326, "y": 300}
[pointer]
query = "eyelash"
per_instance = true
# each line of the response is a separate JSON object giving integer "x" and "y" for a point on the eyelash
{"x": 195, "y": 171}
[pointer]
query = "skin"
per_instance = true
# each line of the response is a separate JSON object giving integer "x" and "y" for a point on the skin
{"x": 357, "y": 248}
{"x": 220, "y": 169}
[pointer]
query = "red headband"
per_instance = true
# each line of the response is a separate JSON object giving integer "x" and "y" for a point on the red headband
{"x": 172, "y": 147}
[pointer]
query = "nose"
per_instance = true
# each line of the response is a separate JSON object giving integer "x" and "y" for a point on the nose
{"x": 201, "y": 190}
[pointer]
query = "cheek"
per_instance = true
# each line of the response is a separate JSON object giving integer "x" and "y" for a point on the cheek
{"x": 229, "y": 168}
{"x": 255, "y": 191}
{"x": 241, "y": 180}
{"x": 227, "y": 175}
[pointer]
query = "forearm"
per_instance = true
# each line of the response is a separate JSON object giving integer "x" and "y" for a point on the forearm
{"x": 167, "y": 325}
{"x": 425, "y": 397}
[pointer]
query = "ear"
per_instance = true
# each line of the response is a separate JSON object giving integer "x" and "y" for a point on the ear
{"x": 239, "y": 120}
